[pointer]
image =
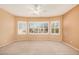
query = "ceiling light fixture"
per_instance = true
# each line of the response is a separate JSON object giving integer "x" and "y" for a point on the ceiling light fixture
{"x": 36, "y": 9}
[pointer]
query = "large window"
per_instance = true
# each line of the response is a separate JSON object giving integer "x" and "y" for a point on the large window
{"x": 22, "y": 27}
{"x": 55, "y": 27}
{"x": 38, "y": 27}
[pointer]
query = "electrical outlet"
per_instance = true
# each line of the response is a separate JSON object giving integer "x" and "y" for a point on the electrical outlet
{"x": 70, "y": 41}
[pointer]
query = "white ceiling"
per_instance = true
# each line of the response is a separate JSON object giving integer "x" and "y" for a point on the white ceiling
{"x": 46, "y": 10}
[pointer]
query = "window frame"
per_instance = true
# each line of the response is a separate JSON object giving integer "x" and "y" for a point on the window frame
{"x": 51, "y": 27}
{"x": 18, "y": 30}
{"x": 38, "y": 22}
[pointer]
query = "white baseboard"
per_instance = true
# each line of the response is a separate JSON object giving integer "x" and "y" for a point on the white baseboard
{"x": 71, "y": 46}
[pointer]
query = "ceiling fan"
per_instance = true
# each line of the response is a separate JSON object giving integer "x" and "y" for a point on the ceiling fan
{"x": 36, "y": 9}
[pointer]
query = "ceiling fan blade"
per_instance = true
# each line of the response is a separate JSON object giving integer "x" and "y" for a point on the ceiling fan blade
{"x": 36, "y": 10}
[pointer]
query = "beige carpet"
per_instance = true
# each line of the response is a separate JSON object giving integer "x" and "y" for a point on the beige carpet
{"x": 37, "y": 48}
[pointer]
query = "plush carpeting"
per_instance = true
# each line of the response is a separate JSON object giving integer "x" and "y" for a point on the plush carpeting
{"x": 37, "y": 48}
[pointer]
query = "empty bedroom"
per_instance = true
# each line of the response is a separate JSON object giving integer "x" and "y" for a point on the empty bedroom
{"x": 39, "y": 29}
